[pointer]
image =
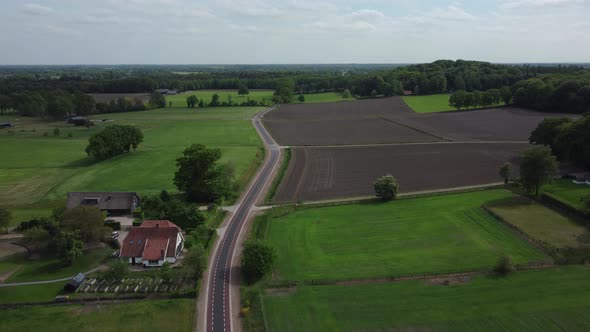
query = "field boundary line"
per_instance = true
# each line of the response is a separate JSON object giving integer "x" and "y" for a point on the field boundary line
{"x": 415, "y": 129}
{"x": 407, "y": 143}
{"x": 288, "y": 284}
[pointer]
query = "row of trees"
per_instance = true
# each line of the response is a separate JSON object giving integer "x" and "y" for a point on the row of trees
{"x": 57, "y": 104}
{"x": 556, "y": 93}
{"x": 114, "y": 140}
{"x": 462, "y": 99}
{"x": 568, "y": 139}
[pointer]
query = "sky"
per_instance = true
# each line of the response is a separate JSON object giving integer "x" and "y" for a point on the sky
{"x": 292, "y": 31}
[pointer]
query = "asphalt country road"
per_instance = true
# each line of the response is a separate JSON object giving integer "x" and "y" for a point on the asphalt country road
{"x": 218, "y": 316}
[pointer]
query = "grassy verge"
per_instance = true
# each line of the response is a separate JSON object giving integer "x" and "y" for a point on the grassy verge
{"x": 552, "y": 299}
{"x": 32, "y": 293}
{"x": 279, "y": 176}
{"x": 438, "y": 234}
{"x": 429, "y": 103}
{"x": 156, "y": 315}
{"x": 568, "y": 192}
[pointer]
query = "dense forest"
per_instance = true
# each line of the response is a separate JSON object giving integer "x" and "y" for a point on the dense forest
{"x": 556, "y": 88}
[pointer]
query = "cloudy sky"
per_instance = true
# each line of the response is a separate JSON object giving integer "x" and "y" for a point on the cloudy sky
{"x": 292, "y": 31}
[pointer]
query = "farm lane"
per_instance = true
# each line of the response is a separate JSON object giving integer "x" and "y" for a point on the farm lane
{"x": 221, "y": 273}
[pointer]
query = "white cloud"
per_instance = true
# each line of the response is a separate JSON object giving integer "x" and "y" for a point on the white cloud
{"x": 92, "y": 19}
{"x": 36, "y": 9}
{"x": 453, "y": 12}
{"x": 510, "y": 4}
{"x": 62, "y": 31}
{"x": 253, "y": 8}
{"x": 368, "y": 14}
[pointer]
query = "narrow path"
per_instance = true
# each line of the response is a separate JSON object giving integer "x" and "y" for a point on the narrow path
{"x": 27, "y": 283}
{"x": 219, "y": 278}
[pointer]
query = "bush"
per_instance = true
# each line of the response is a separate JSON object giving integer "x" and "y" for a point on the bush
{"x": 114, "y": 225}
{"x": 257, "y": 260}
{"x": 56, "y": 132}
{"x": 504, "y": 266}
{"x": 137, "y": 215}
{"x": 114, "y": 140}
{"x": 137, "y": 222}
{"x": 386, "y": 188}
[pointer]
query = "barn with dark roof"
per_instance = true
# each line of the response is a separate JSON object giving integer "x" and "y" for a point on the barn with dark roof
{"x": 115, "y": 203}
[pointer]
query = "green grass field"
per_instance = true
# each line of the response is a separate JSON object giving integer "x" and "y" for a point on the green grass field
{"x": 543, "y": 223}
{"x": 50, "y": 268}
{"x": 429, "y": 103}
{"x": 423, "y": 235}
{"x": 555, "y": 299}
{"x": 568, "y": 192}
{"x": 42, "y": 169}
{"x": 153, "y": 315}
{"x": 32, "y": 293}
{"x": 179, "y": 100}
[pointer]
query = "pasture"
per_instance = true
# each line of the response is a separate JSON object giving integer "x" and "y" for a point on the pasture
{"x": 542, "y": 223}
{"x": 179, "y": 100}
{"x": 42, "y": 167}
{"x": 437, "y": 234}
{"x": 153, "y": 315}
{"x": 554, "y": 299}
{"x": 568, "y": 192}
{"x": 429, "y": 103}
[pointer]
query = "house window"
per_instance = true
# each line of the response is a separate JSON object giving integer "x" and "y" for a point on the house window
{"x": 153, "y": 262}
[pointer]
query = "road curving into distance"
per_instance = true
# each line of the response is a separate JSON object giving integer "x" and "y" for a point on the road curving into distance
{"x": 218, "y": 284}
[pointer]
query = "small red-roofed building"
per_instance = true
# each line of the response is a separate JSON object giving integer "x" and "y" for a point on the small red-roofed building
{"x": 153, "y": 243}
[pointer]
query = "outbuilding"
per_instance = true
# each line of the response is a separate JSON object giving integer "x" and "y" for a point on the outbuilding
{"x": 75, "y": 283}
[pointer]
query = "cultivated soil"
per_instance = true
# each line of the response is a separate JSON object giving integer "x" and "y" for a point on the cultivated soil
{"x": 340, "y": 149}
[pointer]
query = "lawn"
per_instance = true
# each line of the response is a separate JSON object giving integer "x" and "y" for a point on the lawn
{"x": 555, "y": 299}
{"x": 324, "y": 97}
{"x": 568, "y": 192}
{"x": 179, "y": 100}
{"x": 423, "y": 235}
{"x": 542, "y": 223}
{"x": 48, "y": 268}
{"x": 32, "y": 293}
{"x": 429, "y": 103}
{"x": 42, "y": 169}
{"x": 152, "y": 315}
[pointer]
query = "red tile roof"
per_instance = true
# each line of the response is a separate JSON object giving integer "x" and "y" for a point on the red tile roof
{"x": 151, "y": 240}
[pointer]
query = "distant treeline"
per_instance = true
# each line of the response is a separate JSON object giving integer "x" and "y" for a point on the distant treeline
{"x": 569, "y": 139}
{"x": 558, "y": 88}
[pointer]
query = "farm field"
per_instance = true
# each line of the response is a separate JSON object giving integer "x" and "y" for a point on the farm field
{"x": 318, "y": 173}
{"x": 42, "y": 169}
{"x": 179, "y": 100}
{"x": 437, "y": 234}
{"x": 390, "y": 120}
{"x": 429, "y": 103}
{"x": 31, "y": 293}
{"x": 554, "y": 299}
{"x": 153, "y": 315}
{"x": 542, "y": 223}
{"x": 568, "y": 192}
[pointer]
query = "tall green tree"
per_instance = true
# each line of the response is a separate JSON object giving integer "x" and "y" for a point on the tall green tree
{"x": 5, "y": 218}
{"x": 6, "y": 103}
{"x": 201, "y": 176}
{"x": 157, "y": 100}
{"x": 257, "y": 260}
{"x": 191, "y": 101}
{"x": 538, "y": 167}
{"x": 243, "y": 89}
{"x": 114, "y": 140}
{"x": 69, "y": 247}
{"x": 84, "y": 104}
{"x": 505, "y": 172}
{"x": 87, "y": 221}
